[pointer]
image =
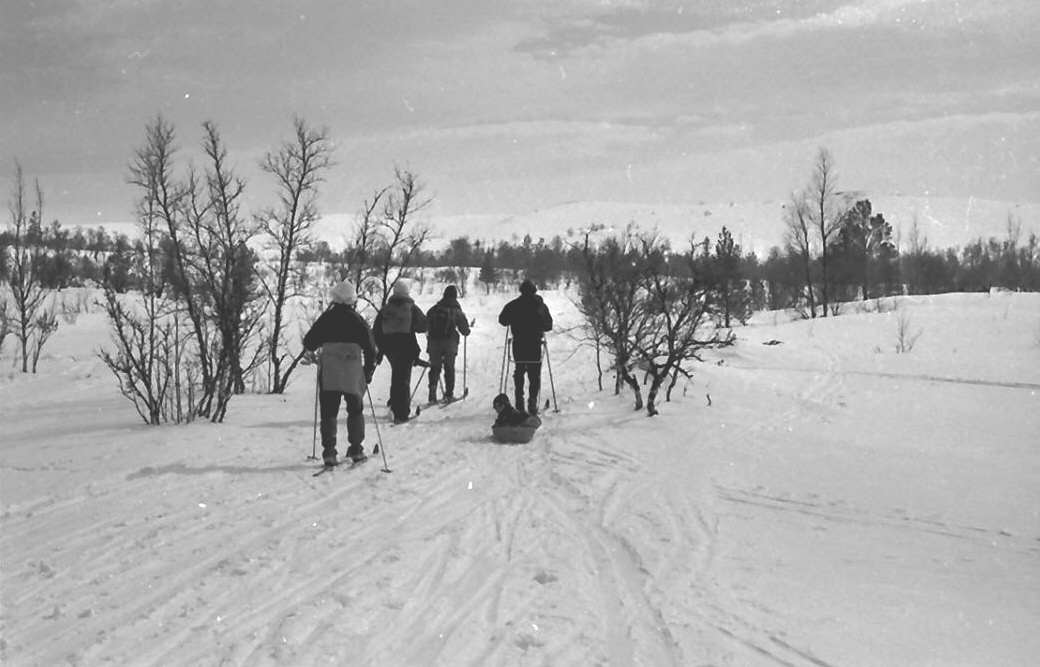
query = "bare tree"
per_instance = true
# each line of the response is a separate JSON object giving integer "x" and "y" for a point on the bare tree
{"x": 387, "y": 238}
{"x": 298, "y": 166}
{"x": 798, "y": 239}
{"x": 224, "y": 278}
{"x": 676, "y": 308}
{"x": 648, "y": 307}
{"x": 142, "y": 360}
{"x": 826, "y": 209}
{"x": 45, "y": 325}
{"x": 145, "y": 359}
{"x": 609, "y": 299}
{"x": 5, "y": 322}
{"x": 207, "y": 277}
{"x": 906, "y": 335}
{"x": 28, "y": 296}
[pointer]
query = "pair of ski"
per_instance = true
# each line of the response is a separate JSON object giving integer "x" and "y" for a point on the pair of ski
{"x": 441, "y": 404}
{"x": 349, "y": 465}
{"x": 419, "y": 409}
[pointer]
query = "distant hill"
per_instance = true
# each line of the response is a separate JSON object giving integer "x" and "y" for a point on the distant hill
{"x": 942, "y": 222}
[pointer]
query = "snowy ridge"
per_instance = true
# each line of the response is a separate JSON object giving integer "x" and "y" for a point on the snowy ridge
{"x": 944, "y": 222}
{"x": 836, "y": 504}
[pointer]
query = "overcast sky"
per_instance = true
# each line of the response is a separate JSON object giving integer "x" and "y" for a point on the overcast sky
{"x": 510, "y": 106}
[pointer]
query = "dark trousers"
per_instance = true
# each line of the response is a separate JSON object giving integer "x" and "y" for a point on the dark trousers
{"x": 445, "y": 359}
{"x": 401, "y": 385}
{"x": 329, "y": 405}
{"x": 527, "y": 358}
{"x": 533, "y": 372}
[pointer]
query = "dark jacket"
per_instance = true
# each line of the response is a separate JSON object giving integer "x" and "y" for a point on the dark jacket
{"x": 396, "y": 325}
{"x": 342, "y": 324}
{"x": 450, "y": 310}
{"x": 527, "y": 316}
{"x": 510, "y": 416}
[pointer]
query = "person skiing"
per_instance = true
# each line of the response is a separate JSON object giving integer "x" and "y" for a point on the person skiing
{"x": 528, "y": 318}
{"x": 445, "y": 320}
{"x": 347, "y": 362}
{"x": 395, "y": 328}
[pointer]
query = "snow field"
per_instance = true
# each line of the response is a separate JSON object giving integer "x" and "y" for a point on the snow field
{"x": 836, "y": 504}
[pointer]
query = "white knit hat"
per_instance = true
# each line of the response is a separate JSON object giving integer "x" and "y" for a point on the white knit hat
{"x": 344, "y": 292}
{"x": 401, "y": 288}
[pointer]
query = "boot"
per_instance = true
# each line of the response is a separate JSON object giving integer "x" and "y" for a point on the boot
{"x": 356, "y": 453}
{"x": 433, "y": 393}
{"x": 519, "y": 404}
{"x": 328, "y": 441}
{"x": 532, "y": 405}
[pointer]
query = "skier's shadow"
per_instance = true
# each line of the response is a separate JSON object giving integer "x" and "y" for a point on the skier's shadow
{"x": 181, "y": 469}
{"x": 309, "y": 423}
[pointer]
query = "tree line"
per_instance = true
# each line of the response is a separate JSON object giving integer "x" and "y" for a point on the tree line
{"x": 202, "y": 301}
{"x": 79, "y": 257}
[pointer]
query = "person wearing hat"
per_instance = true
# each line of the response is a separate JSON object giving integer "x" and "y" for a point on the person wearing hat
{"x": 512, "y": 425}
{"x": 445, "y": 321}
{"x": 347, "y": 362}
{"x": 528, "y": 318}
{"x": 395, "y": 327}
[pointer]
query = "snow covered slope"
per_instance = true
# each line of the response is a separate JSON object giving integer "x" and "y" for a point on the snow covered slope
{"x": 836, "y": 504}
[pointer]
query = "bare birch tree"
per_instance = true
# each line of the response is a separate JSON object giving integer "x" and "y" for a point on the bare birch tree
{"x": 650, "y": 308}
{"x": 826, "y": 209}
{"x": 207, "y": 278}
{"x": 31, "y": 323}
{"x": 387, "y": 238}
{"x": 609, "y": 303}
{"x": 798, "y": 239}
{"x": 144, "y": 360}
{"x": 298, "y": 167}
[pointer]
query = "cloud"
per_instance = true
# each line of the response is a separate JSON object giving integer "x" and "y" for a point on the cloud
{"x": 611, "y": 28}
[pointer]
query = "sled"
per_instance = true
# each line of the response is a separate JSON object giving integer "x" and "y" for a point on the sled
{"x": 518, "y": 434}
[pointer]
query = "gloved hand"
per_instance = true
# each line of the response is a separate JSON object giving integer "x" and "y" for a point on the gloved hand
{"x": 309, "y": 358}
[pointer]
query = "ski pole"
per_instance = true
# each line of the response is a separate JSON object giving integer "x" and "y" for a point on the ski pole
{"x": 465, "y": 388}
{"x": 548, "y": 364}
{"x": 378, "y": 449}
{"x": 317, "y": 387}
{"x": 419, "y": 382}
{"x": 505, "y": 364}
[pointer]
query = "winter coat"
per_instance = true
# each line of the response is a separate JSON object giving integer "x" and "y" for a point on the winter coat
{"x": 396, "y": 325}
{"x": 510, "y": 416}
{"x": 528, "y": 318}
{"x": 348, "y": 350}
{"x": 450, "y": 311}
{"x": 514, "y": 426}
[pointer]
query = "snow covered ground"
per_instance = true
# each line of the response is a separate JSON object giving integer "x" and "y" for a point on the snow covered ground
{"x": 836, "y": 504}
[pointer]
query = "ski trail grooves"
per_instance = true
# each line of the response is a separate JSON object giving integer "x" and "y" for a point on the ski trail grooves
{"x": 491, "y": 577}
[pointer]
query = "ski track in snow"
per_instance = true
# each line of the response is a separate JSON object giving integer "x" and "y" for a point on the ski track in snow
{"x": 612, "y": 539}
{"x": 496, "y": 555}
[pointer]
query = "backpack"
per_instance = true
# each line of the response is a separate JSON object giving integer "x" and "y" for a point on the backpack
{"x": 439, "y": 322}
{"x": 397, "y": 317}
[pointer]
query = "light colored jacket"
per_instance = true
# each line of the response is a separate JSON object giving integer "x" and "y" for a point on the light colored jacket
{"x": 342, "y": 368}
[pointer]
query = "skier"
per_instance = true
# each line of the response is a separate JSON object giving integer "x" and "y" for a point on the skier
{"x": 395, "y": 328}
{"x": 512, "y": 425}
{"x": 529, "y": 319}
{"x": 445, "y": 321}
{"x": 347, "y": 363}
